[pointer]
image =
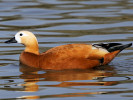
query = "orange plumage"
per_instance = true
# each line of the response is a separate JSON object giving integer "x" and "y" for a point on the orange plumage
{"x": 70, "y": 56}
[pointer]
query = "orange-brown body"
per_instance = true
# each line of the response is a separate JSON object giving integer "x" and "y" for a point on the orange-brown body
{"x": 70, "y": 56}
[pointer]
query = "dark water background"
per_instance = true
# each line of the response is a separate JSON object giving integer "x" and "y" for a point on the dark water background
{"x": 58, "y": 22}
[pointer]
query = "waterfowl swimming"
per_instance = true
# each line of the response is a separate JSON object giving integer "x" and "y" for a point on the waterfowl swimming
{"x": 70, "y": 56}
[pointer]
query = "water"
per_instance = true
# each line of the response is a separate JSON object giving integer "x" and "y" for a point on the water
{"x": 58, "y": 22}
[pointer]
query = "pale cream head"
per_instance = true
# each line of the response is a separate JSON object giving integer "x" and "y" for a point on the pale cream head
{"x": 29, "y": 40}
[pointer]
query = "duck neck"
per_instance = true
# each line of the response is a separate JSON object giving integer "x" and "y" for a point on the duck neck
{"x": 32, "y": 48}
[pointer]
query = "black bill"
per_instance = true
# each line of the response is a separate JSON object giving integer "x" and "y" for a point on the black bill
{"x": 12, "y": 40}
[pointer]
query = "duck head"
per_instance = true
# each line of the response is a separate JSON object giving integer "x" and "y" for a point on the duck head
{"x": 26, "y": 38}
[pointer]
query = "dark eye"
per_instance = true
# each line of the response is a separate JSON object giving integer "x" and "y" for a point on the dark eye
{"x": 21, "y": 34}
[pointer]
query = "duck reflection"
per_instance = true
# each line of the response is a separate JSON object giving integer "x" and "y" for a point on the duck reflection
{"x": 66, "y": 78}
{"x": 31, "y": 77}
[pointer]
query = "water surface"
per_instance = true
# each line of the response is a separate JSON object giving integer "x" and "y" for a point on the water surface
{"x": 58, "y": 22}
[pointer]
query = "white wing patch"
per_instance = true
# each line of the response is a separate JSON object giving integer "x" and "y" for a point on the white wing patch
{"x": 99, "y": 48}
{"x": 94, "y": 47}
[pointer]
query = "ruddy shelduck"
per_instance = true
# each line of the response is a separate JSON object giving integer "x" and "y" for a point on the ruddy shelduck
{"x": 70, "y": 56}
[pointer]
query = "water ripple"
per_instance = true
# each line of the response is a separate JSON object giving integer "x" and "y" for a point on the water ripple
{"x": 58, "y": 22}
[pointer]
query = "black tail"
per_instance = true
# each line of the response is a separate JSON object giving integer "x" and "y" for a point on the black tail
{"x": 119, "y": 47}
{"x": 113, "y": 46}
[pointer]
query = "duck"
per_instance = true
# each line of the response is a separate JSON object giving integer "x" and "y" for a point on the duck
{"x": 69, "y": 56}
